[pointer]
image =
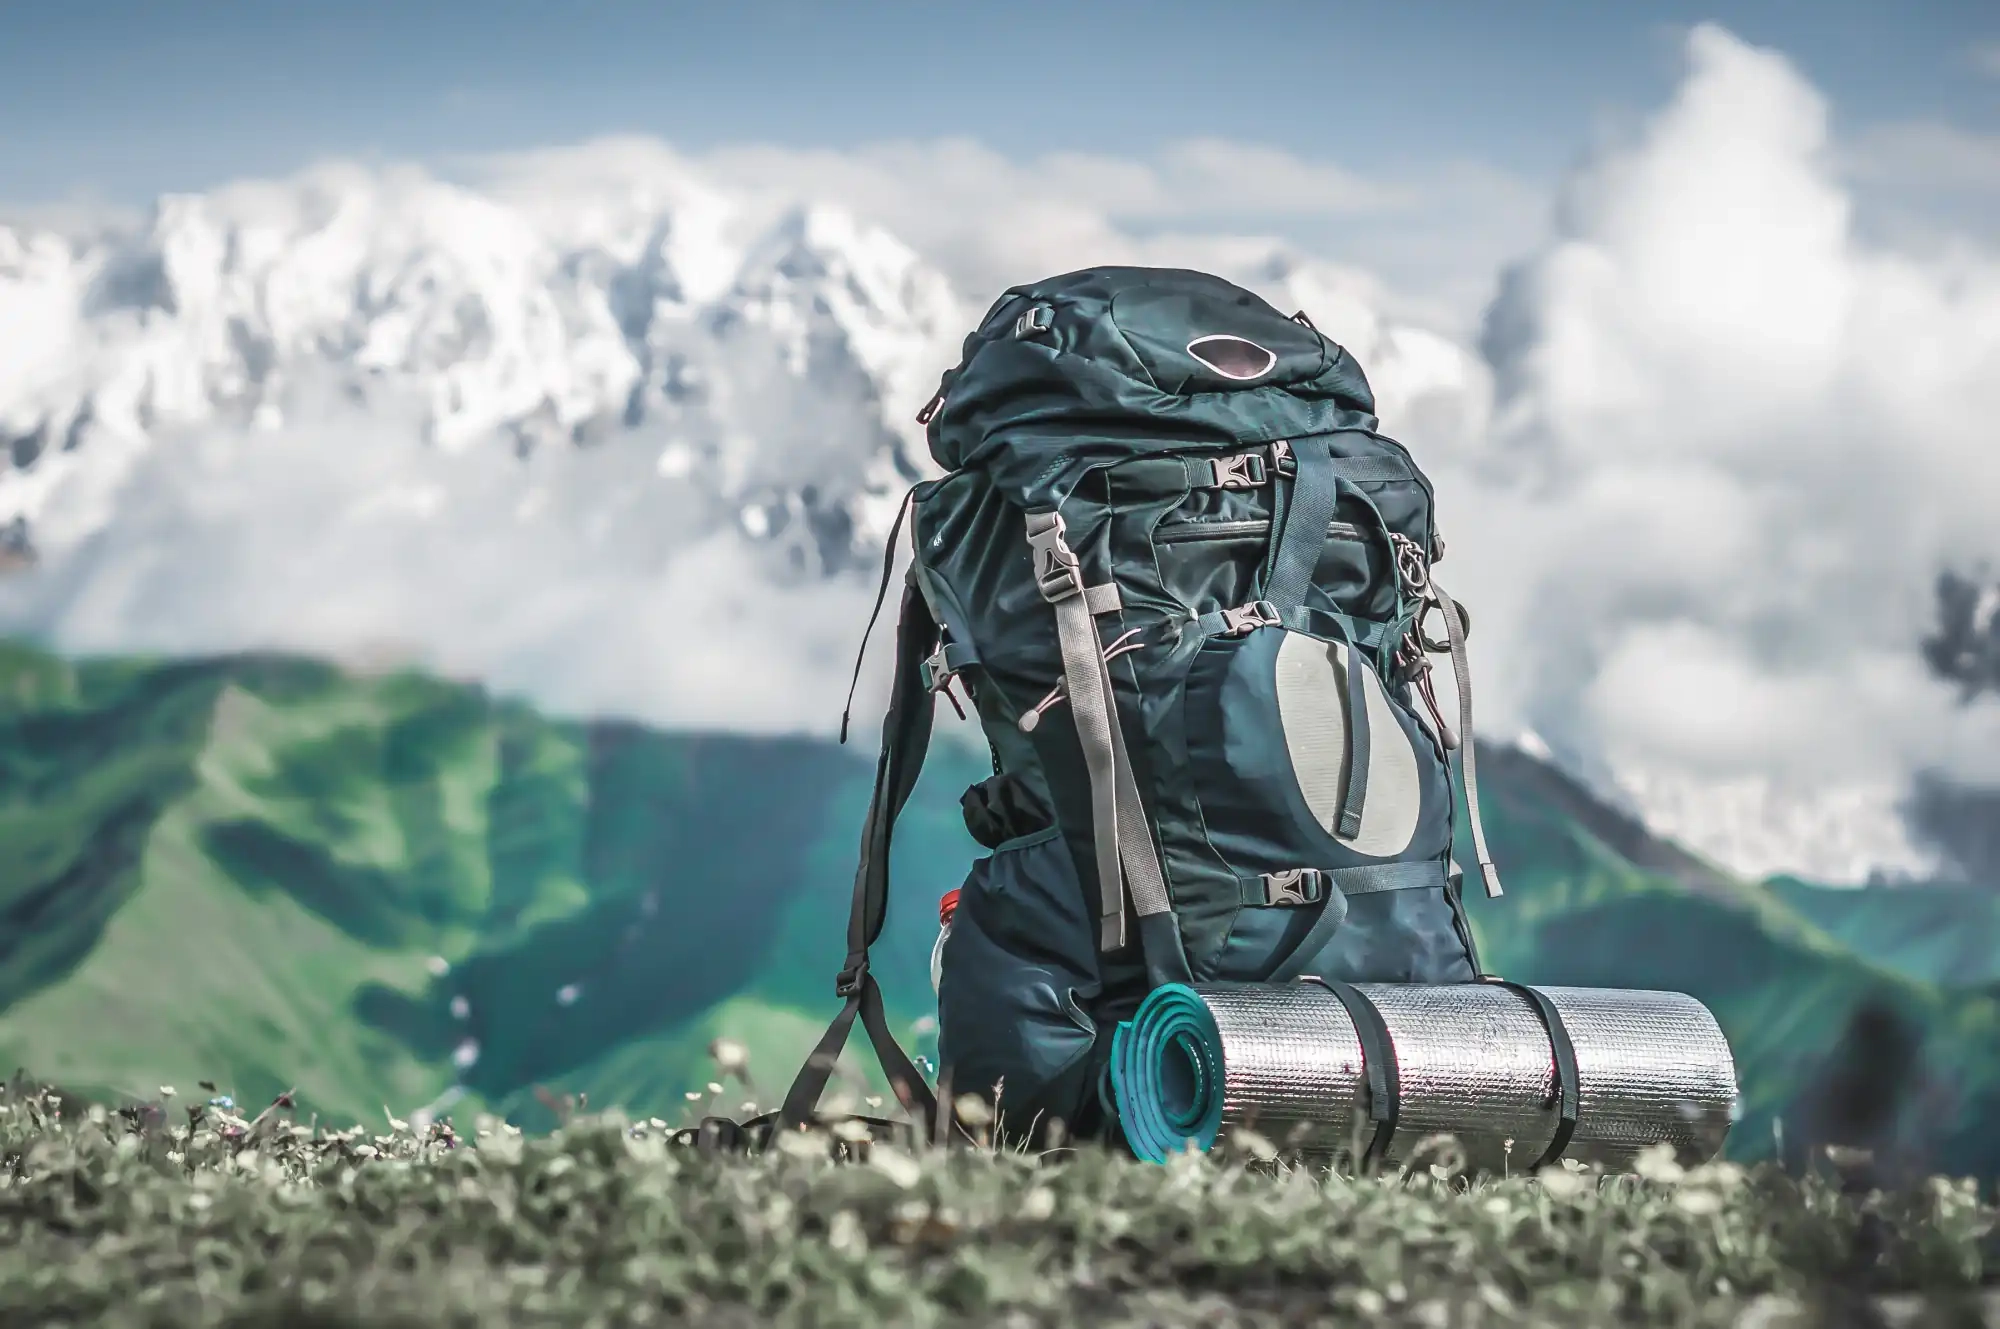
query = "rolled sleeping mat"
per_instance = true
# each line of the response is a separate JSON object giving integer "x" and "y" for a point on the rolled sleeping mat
{"x": 1519, "y": 1076}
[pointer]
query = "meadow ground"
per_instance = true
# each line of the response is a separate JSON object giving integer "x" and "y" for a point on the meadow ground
{"x": 204, "y": 1216}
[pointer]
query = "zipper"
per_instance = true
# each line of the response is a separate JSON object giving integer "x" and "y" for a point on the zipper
{"x": 1241, "y": 530}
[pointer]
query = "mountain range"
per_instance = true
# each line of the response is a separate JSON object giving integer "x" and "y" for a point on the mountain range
{"x": 423, "y": 595}
{"x": 390, "y": 892}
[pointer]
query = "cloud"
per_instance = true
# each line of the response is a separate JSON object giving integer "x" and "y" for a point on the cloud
{"x": 574, "y": 578}
{"x": 1718, "y": 440}
{"x": 1733, "y": 447}
{"x": 1985, "y": 57}
{"x": 992, "y": 221}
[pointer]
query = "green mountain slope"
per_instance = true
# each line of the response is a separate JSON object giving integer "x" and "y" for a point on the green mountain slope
{"x": 1946, "y": 933}
{"x": 271, "y": 873}
{"x": 1589, "y": 903}
{"x": 393, "y": 890}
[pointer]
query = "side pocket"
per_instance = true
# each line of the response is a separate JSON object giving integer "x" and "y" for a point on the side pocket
{"x": 1020, "y": 975}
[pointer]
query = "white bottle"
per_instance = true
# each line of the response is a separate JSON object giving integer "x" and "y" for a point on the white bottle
{"x": 947, "y": 906}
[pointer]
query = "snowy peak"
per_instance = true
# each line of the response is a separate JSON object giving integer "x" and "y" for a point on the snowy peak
{"x": 785, "y": 363}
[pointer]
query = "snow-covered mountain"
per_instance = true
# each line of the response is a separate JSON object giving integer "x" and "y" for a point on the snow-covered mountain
{"x": 627, "y": 437}
{"x": 768, "y": 364}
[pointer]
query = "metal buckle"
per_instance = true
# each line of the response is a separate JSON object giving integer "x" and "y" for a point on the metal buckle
{"x": 937, "y": 670}
{"x": 1058, "y": 573}
{"x": 1245, "y": 470}
{"x": 1410, "y": 564}
{"x": 1294, "y": 886}
{"x": 1037, "y": 319}
{"x": 1248, "y": 618}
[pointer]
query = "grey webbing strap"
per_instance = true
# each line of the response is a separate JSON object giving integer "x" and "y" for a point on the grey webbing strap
{"x": 1461, "y": 671}
{"x": 1354, "y": 793}
{"x": 1103, "y": 598}
{"x": 1135, "y": 836}
{"x": 1119, "y": 833}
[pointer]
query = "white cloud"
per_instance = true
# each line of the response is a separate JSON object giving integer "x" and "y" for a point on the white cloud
{"x": 1733, "y": 448}
{"x": 1724, "y": 438}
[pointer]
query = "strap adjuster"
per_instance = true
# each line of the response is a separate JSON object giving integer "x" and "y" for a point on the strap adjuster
{"x": 847, "y": 983}
{"x": 1245, "y": 470}
{"x": 1035, "y": 320}
{"x": 1248, "y": 618}
{"x": 937, "y": 669}
{"x": 1295, "y": 886}
{"x": 1058, "y": 572}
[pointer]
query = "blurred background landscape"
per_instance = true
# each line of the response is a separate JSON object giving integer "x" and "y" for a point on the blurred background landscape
{"x": 443, "y": 464}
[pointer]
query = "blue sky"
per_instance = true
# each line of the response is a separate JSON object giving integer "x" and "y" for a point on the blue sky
{"x": 118, "y": 99}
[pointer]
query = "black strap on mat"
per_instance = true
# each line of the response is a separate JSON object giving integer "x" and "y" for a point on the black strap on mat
{"x": 906, "y": 734}
{"x": 1378, "y": 1057}
{"x": 1568, "y": 1088}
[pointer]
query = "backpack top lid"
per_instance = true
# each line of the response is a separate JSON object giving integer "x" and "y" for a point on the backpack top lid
{"x": 1097, "y": 366}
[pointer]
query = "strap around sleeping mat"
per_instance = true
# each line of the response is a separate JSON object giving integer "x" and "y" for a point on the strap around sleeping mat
{"x": 1378, "y": 1056}
{"x": 1568, "y": 1087}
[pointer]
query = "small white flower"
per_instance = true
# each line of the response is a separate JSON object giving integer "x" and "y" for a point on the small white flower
{"x": 896, "y": 1165}
{"x": 1657, "y": 1163}
{"x": 729, "y": 1055}
{"x": 1561, "y": 1184}
{"x": 1697, "y": 1201}
{"x": 1038, "y": 1205}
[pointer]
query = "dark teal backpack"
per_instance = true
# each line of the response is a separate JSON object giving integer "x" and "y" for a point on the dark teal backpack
{"x": 1187, "y": 586}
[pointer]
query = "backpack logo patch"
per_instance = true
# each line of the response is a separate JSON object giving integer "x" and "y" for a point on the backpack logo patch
{"x": 1233, "y": 357}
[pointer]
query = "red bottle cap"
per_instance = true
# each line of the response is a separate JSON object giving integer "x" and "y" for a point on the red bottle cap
{"x": 947, "y": 906}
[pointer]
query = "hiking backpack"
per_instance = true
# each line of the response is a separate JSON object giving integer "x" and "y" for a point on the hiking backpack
{"x": 1187, "y": 585}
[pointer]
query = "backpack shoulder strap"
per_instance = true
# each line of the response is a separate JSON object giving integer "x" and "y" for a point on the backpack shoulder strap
{"x": 906, "y": 734}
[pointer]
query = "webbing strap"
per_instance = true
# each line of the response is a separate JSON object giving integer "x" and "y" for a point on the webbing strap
{"x": 1135, "y": 834}
{"x": 906, "y": 733}
{"x": 1363, "y": 879}
{"x": 1461, "y": 672}
{"x": 1306, "y": 886}
{"x": 1307, "y": 619}
{"x": 802, "y": 1100}
{"x": 1120, "y": 835}
{"x": 1378, "y": 1063}
{"x": 1569, "y": 1089}
{"x": 1162, "y": 476}
{"x": 1296, "y": 541}
{"x": 1060, "y": 577}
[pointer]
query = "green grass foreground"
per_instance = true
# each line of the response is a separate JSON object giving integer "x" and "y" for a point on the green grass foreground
{"x": 206, "y": 1218}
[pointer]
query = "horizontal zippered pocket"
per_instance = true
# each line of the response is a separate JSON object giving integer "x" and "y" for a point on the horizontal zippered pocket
{"x": 1258, "y": 528}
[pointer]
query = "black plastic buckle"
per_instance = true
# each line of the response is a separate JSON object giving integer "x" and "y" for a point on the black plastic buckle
{"x": 1295, "y": 886}
{"x": 1034, "y": 321}
{"x": 1245, "y": 470}
{"x": 1248, "y": 618}
{"x": 848, "y": 982}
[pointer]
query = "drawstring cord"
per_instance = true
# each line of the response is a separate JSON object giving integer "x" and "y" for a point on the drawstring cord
{"x": 881, "y": 592}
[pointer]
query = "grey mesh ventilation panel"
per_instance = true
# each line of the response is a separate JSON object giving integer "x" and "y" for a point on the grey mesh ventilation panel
{"x": 1312, "y": 711}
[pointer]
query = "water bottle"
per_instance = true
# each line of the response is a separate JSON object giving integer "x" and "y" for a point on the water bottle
{"x": 947, "y": 906}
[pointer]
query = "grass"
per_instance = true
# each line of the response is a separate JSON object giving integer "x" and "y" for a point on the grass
{"x": 204, "y": 1216}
